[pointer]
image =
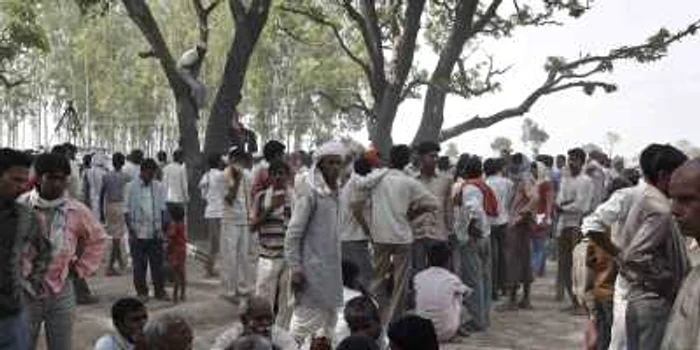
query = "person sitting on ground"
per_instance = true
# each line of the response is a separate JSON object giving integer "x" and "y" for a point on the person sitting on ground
{"x": 357, "y": 342}
{"x": 129, "y": 316}
{"x": 169, "y": 332}
{"x": 361, "y": 315}
{"x": 177, "y": 252}
{"x": 413, "y": 332}
{"x": 439, "y": 293}
{"x": 257, "y": 319}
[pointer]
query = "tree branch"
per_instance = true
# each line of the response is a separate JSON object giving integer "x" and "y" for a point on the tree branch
{"x": 203, "y": 13}
{"x": 9, "y": 84}
{"x": 360, "y": 105}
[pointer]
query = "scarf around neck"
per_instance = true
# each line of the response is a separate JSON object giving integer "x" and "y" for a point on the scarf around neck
{"x": 57, "y": 211}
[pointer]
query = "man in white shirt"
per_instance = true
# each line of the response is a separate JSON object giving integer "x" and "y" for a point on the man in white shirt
{"x": 133, "y": 164}
{"x": 394, "y": 197}
{"x": 503, "y": 187}
{"x": 175, "y": 181}
{"x": 439, "y": 293}
{"x": 213, "y": 189}
{"x": 354, "y": 238}
{"x": 573, "y": 203}
{"x": 129, "y": 317}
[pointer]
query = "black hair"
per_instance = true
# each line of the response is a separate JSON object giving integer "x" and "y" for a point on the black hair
{"x": 517, "y": 158}
{"x": 162, "y": 156}
{"x": 214, "y": 160}
{"x": 279, "y": 165}
{"x": 472, "y": 168}
{"x": 438, "y": 254}
{"x": 350, "y": 274}
{"x": 413, "y": 332}
{"x": 577, "y": 153}
{"x": 124, "y": 306}
{"x": 400, "y": 156}
{"x": 272, "y": 149}
{"x": 358, "y": 342}
{"x": 545, "y": 159}
{"x": 59, "y": 149}
{"x": 178, "y": 155}
{"x": 444, "y": 163}
{"x": 136, "y": 156}
{"x": 149, "y": 164}
{"x": 69, "y": 147}
{"x": 461, "y": 164}
{"x": 657, "y": 159}
{"x": 87, "y": 160}
{"x": 427, "y": 147}
{"x": 50, "y": 162}
{"x": 177, "y": 213}
{"x": 10, "y": 158}
{"x": 492, "y": 166}
{"x": 362, "y": 166}
{"x": 360, "y": 312}
{"x": 118, "y": 160}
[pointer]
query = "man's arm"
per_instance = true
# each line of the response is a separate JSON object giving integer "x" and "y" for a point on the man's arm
{"x": 294, "y": 237}
{"x": 601, "y": 220}
{"x": 42, "y": 258}
{"x": 95, "y": 238}
{"x": 638, "y": 263}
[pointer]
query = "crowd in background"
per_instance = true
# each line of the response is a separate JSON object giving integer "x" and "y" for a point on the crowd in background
{"x": 349, "y": 249}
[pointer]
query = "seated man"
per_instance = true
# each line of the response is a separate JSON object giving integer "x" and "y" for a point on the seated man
{"x": 439, "y": 293}
{"x": 169, "y": 332}
{"x": 129, "y": 316}
{"x": 361, "y": 317}
{"x": 256, "y": 320}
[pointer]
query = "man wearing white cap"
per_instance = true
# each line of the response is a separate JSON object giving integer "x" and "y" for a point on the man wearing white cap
{"x": 312, "y": 247}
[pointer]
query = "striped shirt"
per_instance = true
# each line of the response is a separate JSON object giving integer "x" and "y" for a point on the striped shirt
{"x": 274, "y": 225}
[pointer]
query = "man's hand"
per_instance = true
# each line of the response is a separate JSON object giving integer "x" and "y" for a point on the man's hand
{"x": 298, "y": 281}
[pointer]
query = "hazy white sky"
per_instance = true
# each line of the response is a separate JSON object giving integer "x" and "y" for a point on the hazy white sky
{"x": 654, "y": 103}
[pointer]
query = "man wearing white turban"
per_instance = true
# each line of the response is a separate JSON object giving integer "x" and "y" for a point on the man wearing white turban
{"x": 312, "y": 247}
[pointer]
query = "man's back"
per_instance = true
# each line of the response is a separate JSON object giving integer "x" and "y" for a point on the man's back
{"x": 175, "y": 181}
{"x": 503, "y": 189}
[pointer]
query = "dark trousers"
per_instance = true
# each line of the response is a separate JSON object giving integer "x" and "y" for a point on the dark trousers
{"x": 567, "y": 241}
{"x": 14, "y": 332}
{"x": 603, "y": 320}
{"x": 646, "y": 323}
{"x": 145, "y": 252}
{"x": 498, "y": 265}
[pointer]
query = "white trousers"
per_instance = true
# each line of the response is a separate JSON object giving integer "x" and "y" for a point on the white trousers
{"x": 308, "y": 322}
{"x": 273, "y": 284}
{"x": 237, "y": 274}
{"x": 618, "y": 333}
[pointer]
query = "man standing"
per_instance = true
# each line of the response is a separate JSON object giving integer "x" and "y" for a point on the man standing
{"x": 145, "y": 219}
{"x": 435, "y": 229}
{"x": 133, "y": 164}
{"x": 213, "y": 188}
{"x": 683, "y": 330}
{"x": 20, "y": 231}
{"x": 175, "y": 181}
{"x": 573, "y": 202}
{"x": 112, "y": 202}
{"x": 503, "y": 188}
{"x": 394, "y": 196}
{"x": 273, "y": 150}
{"x": 129, "y": 316}
{"x": 66, "y": 221}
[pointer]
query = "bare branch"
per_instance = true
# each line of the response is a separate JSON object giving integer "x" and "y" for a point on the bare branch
{"x": 9, "y": 84}
{"x": 371, "y": 36}
{"x": 237, "y": 10}
{"x": 360, "y": 105}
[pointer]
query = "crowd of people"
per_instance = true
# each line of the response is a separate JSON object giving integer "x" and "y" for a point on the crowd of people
{"x": 346, "y": 249}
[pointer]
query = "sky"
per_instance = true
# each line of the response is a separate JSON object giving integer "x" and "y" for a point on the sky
{"x": 654, "y": 102}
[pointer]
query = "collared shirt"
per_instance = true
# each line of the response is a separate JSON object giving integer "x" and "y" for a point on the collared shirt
{"x": 440, "y": 186}
{"x": 80, "y": 225}
{"x": 393, "y": 194}
{"x": 683, "y": 328}
{"x": 175, "y": 182}
{"x": 114, "y": 185}
{"x": 114, "y": 342}
{"x": 653, "y": 257}
{"x": 151, "y": 204}
{"x": 575, "y": 199}
{"x": 503, "y": 187}
{"x": 611, "y": 214}
{"x": 213, "y": 187}
{"x": 147, "y": 225}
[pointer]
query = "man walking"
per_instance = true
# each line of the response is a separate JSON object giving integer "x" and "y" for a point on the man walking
{"x": 175, "y": 181}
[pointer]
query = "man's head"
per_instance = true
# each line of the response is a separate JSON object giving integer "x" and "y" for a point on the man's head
{"x": 169, "y": 332}
{"x": 493, "y": 166}
{"x": 149, "y": 168}
{"x": 444, "y": 163}
{"x": 258, "y": 317}
{"x": 545, "y": 159}
{"x": 412, "y": 332}
{"x": 561, "y": 161}
{"x": 577, "y": 158}
{"x": 400, "y": 156}
{"x": 358, "y": 342}
{"x": 162, "y": 157}
{"x": 179, "y": 156}
{"x": 658, "y": 163}
{"x": 279, "y": 172}
{"x": 472, "y": 168}
{"x": 273, "y": 150}
{"x": 362, "y": 166}
{"x": 214, "y": 161}
{"x": 52, "y": 171}
{"x": 362, "y": 316}
{"x": 87, "y": 161}
{"x": 619, "y": 164}
{"x": 136, "y": 156}
{"x": 330, "y": 160}
{"x": 71, "y": 150}
{"x": 118, "y": 161}
{"x": 60, "y": 150}
{"x": 515, "y": 163}
{"x": 129, "y": 317}
{"x": 439, "y": 254}
{"x": 14, "y": 173}
{"x": 684, "y": 190}
{"x": 428, "y": 153}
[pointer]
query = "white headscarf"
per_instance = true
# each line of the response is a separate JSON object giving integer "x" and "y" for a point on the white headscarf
{"x": 315, "y": 179}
